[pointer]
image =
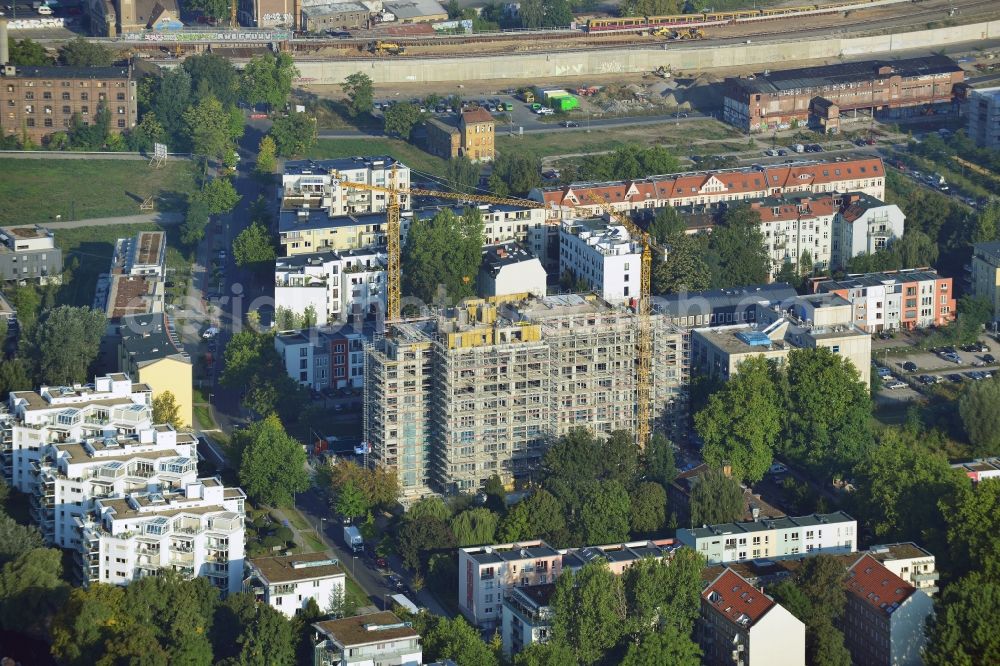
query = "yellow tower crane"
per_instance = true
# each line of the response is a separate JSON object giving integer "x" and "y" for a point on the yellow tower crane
{"x": 643, "y": 304}
{"x": 644, "y": 375}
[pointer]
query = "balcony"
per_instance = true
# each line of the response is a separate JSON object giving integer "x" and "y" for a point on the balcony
{"x": 929, "y": 575}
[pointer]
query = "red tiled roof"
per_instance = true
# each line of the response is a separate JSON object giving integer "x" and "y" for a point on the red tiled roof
{"x": 735, "y": 598}
{"x": 875, "y": 585}
{"x": 477, "y": 115}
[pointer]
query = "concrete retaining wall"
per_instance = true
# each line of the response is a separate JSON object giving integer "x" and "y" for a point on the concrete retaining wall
{"x": 594, "y": 62}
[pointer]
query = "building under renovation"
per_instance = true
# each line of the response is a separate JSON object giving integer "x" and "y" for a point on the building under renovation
{"x": 483, "y": 389}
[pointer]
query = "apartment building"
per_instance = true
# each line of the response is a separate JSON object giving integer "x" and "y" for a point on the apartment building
{"x": 979, "y": 469}
{"x": 321, "y": 358}
{"x": 469, "y": 134}
{"x": 287, "y": 583}
{"x": 883, "y": 622}
{"x": 319, "y": 185}
{"x": 487, "y": 573}
{"x": 864, "y": 225}
{"x": 795, "y": 226}
{"x": 985, "y": 273}
{"x": 911, "y": 562}
{"x": 363, "y": 640}
{"x": 679, "y": 494}
{"x": 70, "y": 476}
{"x": 718, "y": 307}
{"x": 740, "y": 625}
{"x": 773, "y": 538}
{"x": 826, "y": 96}
{"x": 481, "y": 390}
{"x": 526, "y": 617}
{"x": 29, "y": 253}
{"x": 508, "y": 271}
{"x": 818, "y": 320}
{"x": 197, "y": 531}
{"x": 701, "y": 188}
{"x": 338, "y": 286}
{"x": 149, "y": 350}
{"x": 134, "y": 283}
{"x": 112, "y": 406}
{"x": 982, "y": 117}
{"x": 602, "y": 255}
{"x": 897, "y": 300}
{"x": 39, "y": 101}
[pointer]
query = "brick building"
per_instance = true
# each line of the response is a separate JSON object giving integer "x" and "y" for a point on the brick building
{"x": 471, "y": 133}
{"x": 824, "y": 96}
{"x": 38, "y": 101}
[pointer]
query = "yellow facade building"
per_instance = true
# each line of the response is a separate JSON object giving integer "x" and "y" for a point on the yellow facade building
{"x": 472, "y": 134}
{"x": 149, "y": 352}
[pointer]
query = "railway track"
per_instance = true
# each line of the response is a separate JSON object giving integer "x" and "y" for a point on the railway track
{"x": 919, "y": 16}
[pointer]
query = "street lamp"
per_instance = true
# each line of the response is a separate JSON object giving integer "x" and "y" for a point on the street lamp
{"x": 354, "y": 560}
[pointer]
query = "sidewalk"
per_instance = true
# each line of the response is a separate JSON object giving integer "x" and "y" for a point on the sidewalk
{"x": 159, "y": 217}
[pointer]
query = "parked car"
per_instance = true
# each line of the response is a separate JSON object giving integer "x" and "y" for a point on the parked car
{"x": 894, "y": 384}
{"x": 883, "y": 372}
{"x": 777, "y": 468}
{"x": 210, "y": 333}
{"x": 394, "y": 582}
{"x": 910, "y": 366}
{"x": 569, "y": 123}
{"x": 989, "y": 358}
{"x": 926, "y": 380}
{"x": 955, "y": 378}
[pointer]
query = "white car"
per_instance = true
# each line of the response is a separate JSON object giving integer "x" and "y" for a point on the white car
{"x": 894, "y": 384}
{"x": 45, "y": 10}
{"x": 210, "y": 333}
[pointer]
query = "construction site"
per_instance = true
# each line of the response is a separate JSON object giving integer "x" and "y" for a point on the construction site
{"x": 484, "y": 388}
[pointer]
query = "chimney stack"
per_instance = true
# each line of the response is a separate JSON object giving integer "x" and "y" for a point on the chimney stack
{"x": 4, "y": 43}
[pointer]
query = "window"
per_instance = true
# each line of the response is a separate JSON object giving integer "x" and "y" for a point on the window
{"x": 65, "y": 96}
{"x": 121, "y": 97}
{"x": 84, "y": 96}
{"x": 121, "y": 122}
{"x": 29, "y": 95}
{"x": 66, "y": 110}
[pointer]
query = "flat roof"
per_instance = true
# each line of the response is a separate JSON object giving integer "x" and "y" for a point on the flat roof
{"x": 308, "y": 167}
{"x": 72, "y": 72}
{"x": 724, "y": 529}
{"x": 411, "y": 9}
{"x": 146, "y": 338}
{"x": 365, "y": 629}
{"x": 287, "y": 568}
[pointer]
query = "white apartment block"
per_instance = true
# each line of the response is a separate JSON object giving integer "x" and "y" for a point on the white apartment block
{"x": 905, "y": 299}
{"x": 603, "y": 255}
{"x": 773, "y": 538}
{"x": 113, "y": 406}
{"x": 741, "y": 626}
{"x": 911, "y": 562}
{"x": 793, "y": 226}
{"x": 319, "y": 184}
{"x": 70, "y": 476}
{"x": 701, "y": 188}
{"x": 985, "y": 274}
{"x": 864, "y": 225}
{"x": 379, "y": 639}
{"x": 487, "y": 573}
{"x": 481, "y": 389}
{"x": 509, "y": 270}
{"x": 197, "y": 531}
{"x": 321, "y": 358}
{"x": 287, "y": 583}
{"x": 526, "y": 617}
{"x": 336, "y": 285}
{"x": 982, "y": 112}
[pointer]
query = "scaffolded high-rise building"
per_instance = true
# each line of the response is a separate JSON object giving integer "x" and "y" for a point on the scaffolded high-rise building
{"x": 483, "y": 389}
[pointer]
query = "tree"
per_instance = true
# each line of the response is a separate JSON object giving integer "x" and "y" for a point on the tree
{"x": 254, "y": 248}
{"x": 973, "y": 520}
{"x": 91, "y": 618}
{"x": 659, "y": 460}
{"x": 496, "y": 494}
{"x": 217, "y": 9}
{"x": 359, "y": 90}
{"x": 649, "y": 508}
{"x": 31, "y": 590}
{"x": 628, "y": 162}
{"x": 532, "y": 13}
{"x": 13, "y": 377}
{"x": 180, "y": 611}
{"x": 196, "y": 220}
{"x": 218, "y": 196}
{"x": 248, "y": 633}
{"x": 539, "y": 516}
{"x": 215, "y": 75}
{"x": 520, "y": 172}
{"x": 210, "y": 128}
{"x": 445, "y": 251}
{"x": 668, "y": 646}
{"x": 963, "y": 630}
{"x": 716, "y": 498}
{"x": 16, "y": 539}
{"x": 171, "y": 100}
{"x": 267, "y": 79}
{"x": 589, "y": 611}
{"x": 420, "y": 537}
{"x": 400, "y": 119}
{"x": 83, "y": 53}
{"x": 148, "y": 132}
{"x": 293, "y": 134}
{"x": 64, "y": 344}
{"x": 272, "y": 466}
{"x": 267, "y": 156}
{"x": 166, "y": 410}
{"x": 553, "y": 653}
{"x": 739, "y": 244}
{"x": 462, "y": 174}
{"x": 474, "y": 527}
{"x": 816, "y": 596}
{"x": 741, "y": 423}
{"x": 26, "y": 53}
{"x": 558, "y": 14}
{"x": 828, "y": 411}
{"x": 666, "y": 224}
{"x": 378, "y": 484}
{"x": 351, "y": 502}
{"x": 664, "y": 594}
{"x": 604, "y": 514}
{"x": 27, "y": 302}
{"x": 458, "y": 641}
{"x": 980, "y": 416}
{"x": 684, "y": 269}
{"x": 806, "y": 263}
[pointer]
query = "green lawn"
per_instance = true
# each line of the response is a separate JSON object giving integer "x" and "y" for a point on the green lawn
{"x": 36, "y": 191}
{"x": 356, "y": 597}
{"x": 408, "y": 154}
{"x": 87, "y": 254}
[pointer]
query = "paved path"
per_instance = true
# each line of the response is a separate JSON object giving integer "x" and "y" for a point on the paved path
{"x": 73, "y": 155}
{"x": 160, "y": 217}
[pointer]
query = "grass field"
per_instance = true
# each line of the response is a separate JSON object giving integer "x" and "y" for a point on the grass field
{"x": 36, "y": 191}
{"x": 87, "y": 253}
{"x": 408, "y": 154}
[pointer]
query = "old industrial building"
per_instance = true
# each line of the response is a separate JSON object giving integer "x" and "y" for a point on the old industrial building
{"x": 482, "y": 390}
{"x": 37, "y": 101}
{"x": 823, "y": 97}
{"x": 471, "y": 134}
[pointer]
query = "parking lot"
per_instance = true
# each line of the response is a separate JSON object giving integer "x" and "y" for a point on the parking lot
{"x": 919, "y": 369}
